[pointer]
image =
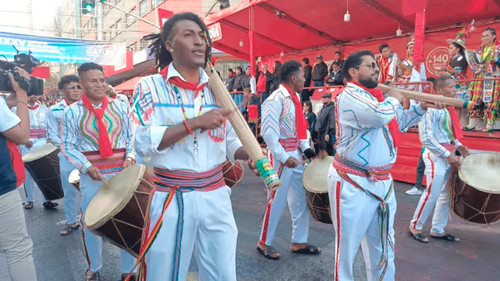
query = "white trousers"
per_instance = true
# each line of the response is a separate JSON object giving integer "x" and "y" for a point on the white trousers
{"x": 71, "y": 195}
{"x": 15, "y": 242}
{"x": 208, "y": 229}
{"x": 355, "y": 216}
{"x": 92, "y": 242}
{"x": 292, "y": 192}
{"x": 435, "y": 196}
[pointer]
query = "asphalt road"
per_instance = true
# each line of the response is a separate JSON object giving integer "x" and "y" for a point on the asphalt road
{"x": 475, "y": 257}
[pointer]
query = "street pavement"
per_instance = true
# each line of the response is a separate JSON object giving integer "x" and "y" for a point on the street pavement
{"x": 475, "y": 257}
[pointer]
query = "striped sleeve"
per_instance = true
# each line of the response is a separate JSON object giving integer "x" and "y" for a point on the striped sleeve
{"x": 70, "y": 140}
{"x": 271, "y": 110}
{"x": 427, "y": 138}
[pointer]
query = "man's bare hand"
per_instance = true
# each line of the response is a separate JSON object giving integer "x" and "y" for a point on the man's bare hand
{"x": 94, "y": 173}
{"x": 127, "y": 163}
{"x": 453, "y": 160}
{"x": 463, "y": 150}
{"x": 291, "y": 162}
{"x": 29, "y": 144}
{"x": 212, "y": 119}
{"x": 251, "y": 163}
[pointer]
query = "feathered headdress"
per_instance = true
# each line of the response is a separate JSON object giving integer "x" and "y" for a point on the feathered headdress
{"x": 462, "y": 35}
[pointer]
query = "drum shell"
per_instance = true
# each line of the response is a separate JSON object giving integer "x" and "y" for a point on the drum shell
{"x": 125, "y": 229}
{"x": 319, "y": 204}
{"x": 46, "y": 174}
{"x": 474, "y": 205}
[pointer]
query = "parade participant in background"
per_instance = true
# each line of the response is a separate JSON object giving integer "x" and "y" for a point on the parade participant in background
{"x": 362, "y": 199}
{"x": 97, "y": 138}
{"x": 439, "y": 133}
{"x": 320, "y": 71}
{"x": 284, "y": 131}
{"x": 325, "y": 127}
{"x": 405, "y": 66}
{"x": 15, "y": 243}
{"x": 178, "y": 118}
{"x": 305, "y": 95}
{"x": 387, "y": 61}
{"x": 486, "y": 92}
{"x": 38, "y": 138}
{"x": 72, "y": 91}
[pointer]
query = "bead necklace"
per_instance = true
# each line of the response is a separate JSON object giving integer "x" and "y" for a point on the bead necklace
{"x": 179, "y": 100}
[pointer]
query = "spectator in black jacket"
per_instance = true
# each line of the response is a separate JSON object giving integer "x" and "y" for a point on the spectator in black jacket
{"x": 310, "y": 117}
{"x": 320, "y": 71}
{"x": 230, "y": 80}
{"x": 306, "y": 93}
{"x": 325, "y": 126}
{"x": 338, "y": 58}
{"x": 335, "y": 77}
{"x": 239, "y": 81}
{"x": 275, "y": 83}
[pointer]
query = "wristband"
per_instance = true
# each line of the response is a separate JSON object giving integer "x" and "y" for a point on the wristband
{"x": 130, "y": 159}
{"x": 187, "y": 127}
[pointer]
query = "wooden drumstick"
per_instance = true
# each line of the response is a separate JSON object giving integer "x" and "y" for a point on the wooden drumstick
{"x": 252, "y": 147}
{"x": 105, "y": 181}
{"x": 427, "y": 97}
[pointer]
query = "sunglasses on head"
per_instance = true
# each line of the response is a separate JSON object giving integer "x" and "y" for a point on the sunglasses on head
{"x": 72, "y": 87}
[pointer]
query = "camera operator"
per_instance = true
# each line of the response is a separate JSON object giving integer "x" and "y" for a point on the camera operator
{"x": 15, "y": 242}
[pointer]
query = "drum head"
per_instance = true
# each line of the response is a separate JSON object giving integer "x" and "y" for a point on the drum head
{"x": 74, "y": 176}
{"x": 38, "y": 153}
{"x": 482, "y": 172}
{"x": 315, "y": 177}
{"x": 109, "y": 201}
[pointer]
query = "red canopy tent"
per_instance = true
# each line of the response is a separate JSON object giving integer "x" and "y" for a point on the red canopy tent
{"x": 268, "y": 28}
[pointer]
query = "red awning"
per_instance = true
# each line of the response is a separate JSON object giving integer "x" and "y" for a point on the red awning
{"x": 128, "y": 85}
{"x": 298, "y": 26}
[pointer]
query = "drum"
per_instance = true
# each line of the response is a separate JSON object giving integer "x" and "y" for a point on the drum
{"x": 232, "y": 172}
{"x": 476, "y": 188}
{"x": 118, "y": 211}
{"x": 315, "y": 181}
{"x": 43, "y": 165}
{"x": 74, "y": 179}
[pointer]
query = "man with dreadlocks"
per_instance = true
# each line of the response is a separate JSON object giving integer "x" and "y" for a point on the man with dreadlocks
{"x": 186, "y": 137}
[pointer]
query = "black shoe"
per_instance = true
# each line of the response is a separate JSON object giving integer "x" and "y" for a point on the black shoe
{"x": 125, "y": 275}
{"x": 446, "y": 237}
{"x": 49, "y": 205}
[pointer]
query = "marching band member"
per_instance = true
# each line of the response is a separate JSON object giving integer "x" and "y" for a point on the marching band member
{"x": 439, "y": 133}
{"x": 186, "y": 137}
{"x": 96, "y": 138}
{"x": 388, "y": 61}
{"x": 360, "y": 186}
{"x": 284, "y": 131}
{"x": 72, "y": 91}
{"x": 38, "y": 138}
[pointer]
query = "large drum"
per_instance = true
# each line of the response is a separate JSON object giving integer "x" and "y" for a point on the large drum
{"x": 43, "y": 165}
{"x": 476, "y": 188}
{"x": 315, "y": 181}
{"x": 118, "y": 212}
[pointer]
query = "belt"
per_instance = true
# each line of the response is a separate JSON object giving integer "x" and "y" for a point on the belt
{"x": 176, "y": 183}
{"x": 37, "y": 133}
{"x": 108, "y": 165}
{"x": 375, "y": 173}
{"x": 290, "y": 144}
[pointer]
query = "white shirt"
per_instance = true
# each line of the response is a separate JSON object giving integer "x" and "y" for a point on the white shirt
{"x": 9, "y": 119}
{"x": 38, "y": 120}
{"x": 54, "y": 118}
{"x": 362, "y": 120}
{"x": 156, "y": 107}
{"x": 278, "y": 122}
{"x": 436, "y": 129}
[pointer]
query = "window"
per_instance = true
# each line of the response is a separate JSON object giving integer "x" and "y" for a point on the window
{"x": 155, "y": 3}
{"x": 143, "y": 8}
{"x": 131, "y": 47}
{"x": 131, "y": 19}
{"x": 143, "y": 44}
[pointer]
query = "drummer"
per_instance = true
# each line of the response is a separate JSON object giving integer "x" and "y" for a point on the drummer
{"x": 284, "y": 129}
{"x": 38, "y": 138}
{"x": 97, "y": 138}
{"x": 72, "y": 91}
{"x": 439, "y": 133}
{"x": 186, "y": 137}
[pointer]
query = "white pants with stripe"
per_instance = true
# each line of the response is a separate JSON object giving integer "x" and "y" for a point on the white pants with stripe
{"x": 436, "y": 196}
{"x": 356, "y": 222}
{"x": 71, "y": 195}
{"x": 292, "y": 192}
{"x": 209, "y": 229}
{"x": 92, "y": 242}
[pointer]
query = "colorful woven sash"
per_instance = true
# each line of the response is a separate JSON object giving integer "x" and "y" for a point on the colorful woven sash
{"x": 290, "y": 144}
{"x": 38, "y": 133}
{"x": 108, "y": 165}
{"x": 378, "y": 173}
